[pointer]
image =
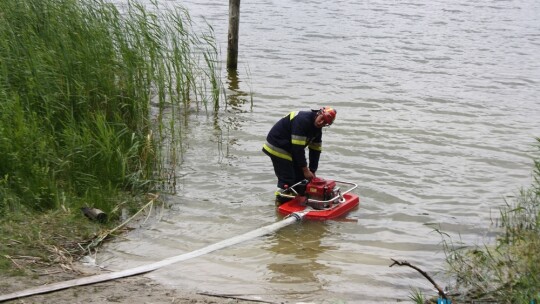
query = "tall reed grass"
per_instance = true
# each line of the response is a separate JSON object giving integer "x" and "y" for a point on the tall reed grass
{"x": 91, "y": 97}
{"x": 509, "y": 270}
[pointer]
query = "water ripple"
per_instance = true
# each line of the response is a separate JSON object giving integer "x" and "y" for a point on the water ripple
{"x": 437, "y": 113}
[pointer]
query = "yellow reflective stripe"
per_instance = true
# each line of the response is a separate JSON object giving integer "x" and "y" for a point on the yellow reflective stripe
{"x": 298, "y": 140}
{"x": 293, "y": 114}
{"x": 316, "y": 147}
{"x": 276, "y": 153}
{"x": 278, "y": 150}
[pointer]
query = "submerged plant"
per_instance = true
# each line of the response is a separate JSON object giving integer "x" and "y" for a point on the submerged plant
{"x": 417, "y": 297}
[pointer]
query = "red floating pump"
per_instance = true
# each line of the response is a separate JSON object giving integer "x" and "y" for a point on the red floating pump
{"x": 324, "y": 198}
{"x": 320, "y": 189}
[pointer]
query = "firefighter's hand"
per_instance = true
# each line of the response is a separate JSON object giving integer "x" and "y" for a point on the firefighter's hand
{"x": 308, "y": 174}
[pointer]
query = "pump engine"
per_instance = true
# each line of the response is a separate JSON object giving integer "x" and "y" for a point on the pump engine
{"x": 319, "y": 192}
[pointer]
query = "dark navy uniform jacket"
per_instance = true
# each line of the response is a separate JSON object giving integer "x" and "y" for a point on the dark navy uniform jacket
{"x": 289, "y": 137}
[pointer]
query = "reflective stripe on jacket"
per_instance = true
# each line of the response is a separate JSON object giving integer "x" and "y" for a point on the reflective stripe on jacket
{"x": 289, "y": 137}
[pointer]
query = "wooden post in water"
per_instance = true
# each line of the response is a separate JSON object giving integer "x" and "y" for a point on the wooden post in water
{"x": 232, "y": 46}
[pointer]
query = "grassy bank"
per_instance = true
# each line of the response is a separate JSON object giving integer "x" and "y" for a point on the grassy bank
{"x": 92, "y": 99}
{"x": 507, "y": 271}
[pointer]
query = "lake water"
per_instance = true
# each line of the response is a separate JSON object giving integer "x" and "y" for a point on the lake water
{"x": 438, "y": 109}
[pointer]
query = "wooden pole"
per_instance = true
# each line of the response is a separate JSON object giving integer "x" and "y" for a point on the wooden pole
{"x": 232, "y": 46}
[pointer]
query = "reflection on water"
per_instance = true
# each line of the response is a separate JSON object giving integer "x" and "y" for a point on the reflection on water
{"x": 297, "y": 251}
{"x": 236, "y": 98}
{"x": 437, "y": 113}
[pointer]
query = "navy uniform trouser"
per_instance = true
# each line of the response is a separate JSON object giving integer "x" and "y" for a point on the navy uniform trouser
{"x": 286, "y": 171}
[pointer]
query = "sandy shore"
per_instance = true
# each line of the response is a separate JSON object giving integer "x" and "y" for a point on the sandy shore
{"x": 135, "y": 289}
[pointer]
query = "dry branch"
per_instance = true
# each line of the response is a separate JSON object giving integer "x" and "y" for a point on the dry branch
{"x": 405, "y": 263}
{"x": 235, "y": 297}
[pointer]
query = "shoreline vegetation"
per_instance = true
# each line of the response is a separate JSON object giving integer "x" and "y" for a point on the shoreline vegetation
{"x": 506, "y": 271}
{"x": 93, "y": 98}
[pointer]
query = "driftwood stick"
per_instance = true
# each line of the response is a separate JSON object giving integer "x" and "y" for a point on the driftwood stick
{"x": 405, "y": 263}
{"x": 12, "y": 261}
{"x": 235, "y": 297}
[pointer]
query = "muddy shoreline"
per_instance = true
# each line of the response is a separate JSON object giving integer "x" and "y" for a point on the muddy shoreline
{"x": 135, "y": 289}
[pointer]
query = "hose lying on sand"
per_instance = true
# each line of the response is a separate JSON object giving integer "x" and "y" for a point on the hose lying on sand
{"x": 294, "y": 217}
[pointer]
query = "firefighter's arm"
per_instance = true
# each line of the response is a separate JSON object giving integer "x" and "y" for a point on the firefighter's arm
{"x": 308, "y": 174}
{"x": 315, "y": 149}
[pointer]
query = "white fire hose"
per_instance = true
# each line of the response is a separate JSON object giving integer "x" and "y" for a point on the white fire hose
{"x": 292, "y": 218}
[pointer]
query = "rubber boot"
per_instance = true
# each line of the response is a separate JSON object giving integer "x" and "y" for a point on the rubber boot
{"x": 280, "y": 199}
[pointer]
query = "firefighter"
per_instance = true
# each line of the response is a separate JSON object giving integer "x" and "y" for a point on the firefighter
{"x": 286, "y": 143}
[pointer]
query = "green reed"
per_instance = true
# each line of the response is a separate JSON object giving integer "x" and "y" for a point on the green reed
{"x": 90, "y": 97}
